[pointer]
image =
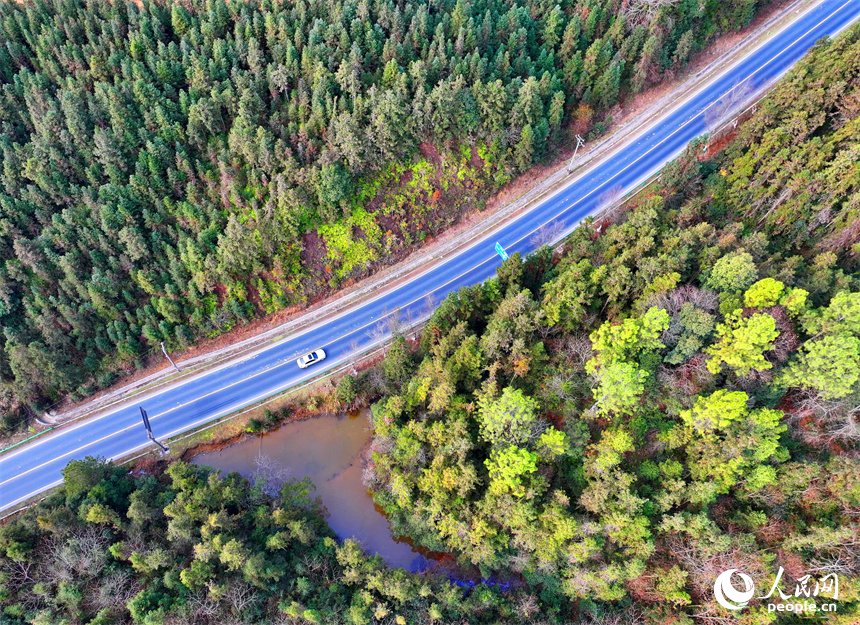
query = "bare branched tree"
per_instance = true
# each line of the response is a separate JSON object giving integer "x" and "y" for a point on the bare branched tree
{"x": 378, "y": 331}
{"x": 84, "y": 554}
{"x": 839, "y": 419}
{"x": 527, "y": 606}
{"x": 430, "y": 304}
{"x": 643, "y": 12}
{"x": 354, "y": 350}
{"x": 17, "y": 574}
{"x": 410, "y": 319}
{"x": 375, "y": 380}
{"x": 239, "y": 596}
{"x": 395, "y": 321}
{"x": 269, "y": 474}
{"x": 561, "y": 385}
{"x": 312, "y": 561}
{"x": 116, "y": 589}
{"x": 369, "y": 477}
{"x": 578, "y": 350}
{"x": 613, "y": 617}
{"x": 704, "y": 565}
{"x": 672, "y": 301}
{"x": 548, "y": 233}
{"x": 609, "y": 203}
{"x": 841, "y": 564}
{"x": 729, "y": 104}
{"x": 201, "y": 606}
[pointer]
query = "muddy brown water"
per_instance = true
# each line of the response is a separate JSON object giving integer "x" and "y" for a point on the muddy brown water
{"x": 326, "y": 449}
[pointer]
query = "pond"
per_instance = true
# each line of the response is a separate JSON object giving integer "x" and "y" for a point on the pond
{"x": 326, "y": 449}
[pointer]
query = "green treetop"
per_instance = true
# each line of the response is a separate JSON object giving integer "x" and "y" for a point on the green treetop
{"x": 733, "y": 272}
{"x": 716, "y": 411}
{"x": 829, "y": 365}
{"x": 625, "y": 341}
{"x": 742, "y": 343}
{"x": 508, "y": 419}
{"x": 508, "y": 467}
{"x": 764, "y": 293}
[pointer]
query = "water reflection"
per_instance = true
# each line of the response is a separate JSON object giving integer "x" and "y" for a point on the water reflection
{"x": 326, "y": 450}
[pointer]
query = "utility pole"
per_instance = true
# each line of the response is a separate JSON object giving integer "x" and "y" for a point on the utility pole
{"x": 164, "y": 349}
{"x": 145, "y": 417}
{"x": 579, "y": 143}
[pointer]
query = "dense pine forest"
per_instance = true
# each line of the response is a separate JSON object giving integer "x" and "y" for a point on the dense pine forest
{"x": 598, "y": 433}
{"x": 173, "y": 169}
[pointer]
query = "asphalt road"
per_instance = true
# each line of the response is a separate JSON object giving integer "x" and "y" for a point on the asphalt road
{"x": 37, "y": 466}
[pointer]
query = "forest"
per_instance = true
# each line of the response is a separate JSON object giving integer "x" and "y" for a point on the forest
{"x": 673, "y": 396}
{"x": 189, "y": 546}
{"x": 596, "y": 433}
{"x": 173, "y": 169}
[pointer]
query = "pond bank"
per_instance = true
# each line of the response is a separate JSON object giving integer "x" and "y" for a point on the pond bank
{"x": 326, "y": 449}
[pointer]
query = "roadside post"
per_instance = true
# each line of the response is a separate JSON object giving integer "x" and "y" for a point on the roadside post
{"x": 164, "y": 349}
{"x": 149, "y": 435}
{"x": 579, "y": 143}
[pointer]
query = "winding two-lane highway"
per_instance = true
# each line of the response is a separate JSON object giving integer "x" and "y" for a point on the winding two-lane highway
{"x": 37, "y": 466}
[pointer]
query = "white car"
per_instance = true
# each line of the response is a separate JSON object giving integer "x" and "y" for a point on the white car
{"x": 310, "y": 359}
